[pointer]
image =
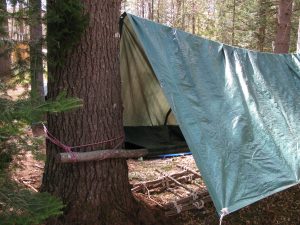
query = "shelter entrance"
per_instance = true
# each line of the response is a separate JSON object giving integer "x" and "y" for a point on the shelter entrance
{"x": 148, "y": 119}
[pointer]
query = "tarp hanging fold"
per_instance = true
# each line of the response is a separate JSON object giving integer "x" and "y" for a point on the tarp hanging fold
{"x": 239, "y": 110}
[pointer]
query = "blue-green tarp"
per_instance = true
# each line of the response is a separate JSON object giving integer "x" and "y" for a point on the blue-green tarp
{"x": 239, "y": 110}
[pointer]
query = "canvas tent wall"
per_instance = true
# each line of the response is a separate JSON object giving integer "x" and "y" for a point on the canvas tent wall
{"x": 238, "y": 110}
{"x": 148, "y": 119}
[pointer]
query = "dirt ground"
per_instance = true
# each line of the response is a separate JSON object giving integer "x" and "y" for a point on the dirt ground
{"x": 282, "y": 208}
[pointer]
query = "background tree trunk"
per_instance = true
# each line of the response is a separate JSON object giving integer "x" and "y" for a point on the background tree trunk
{"x": 193, "y": 17}
{"x": 282, "y": 41}
{"x": 96, "y": 192}
{"x": 5, "y": 61}
{"x": 233, "y": 22}
{"x": 298, "y": 38}
{"x": 36, "y": 54}
{"x": 36, "y": 57}
{"x": 262, "y": 24}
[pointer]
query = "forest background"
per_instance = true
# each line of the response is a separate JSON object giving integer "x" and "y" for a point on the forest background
{"x": 261, "y": 25}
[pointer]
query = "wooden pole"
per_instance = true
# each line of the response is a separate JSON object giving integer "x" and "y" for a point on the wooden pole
{"x": 204, "y": 195}
{"x": 198, "y": 175}
{"x": 175, "y": 181}
{"x": 156, "y": 183}
{"x": 73, "y": 157}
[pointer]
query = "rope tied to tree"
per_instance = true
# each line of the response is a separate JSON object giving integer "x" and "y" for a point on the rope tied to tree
{"x": 68, "y": 149}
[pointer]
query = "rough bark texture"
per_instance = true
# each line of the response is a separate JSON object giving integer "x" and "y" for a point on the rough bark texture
{"x": 95, "y": 192}
{"x": 282, "y": 41}
{"x": 5, "y": 63}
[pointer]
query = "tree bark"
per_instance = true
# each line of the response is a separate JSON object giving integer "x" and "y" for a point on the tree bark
{"x": 96, "y": 192}
{"x": 36, "y": 54}
{"x": 282, "y": 40}
{"x": 233, "y": 22}
{"x": 193, "y": 18}
{"x": 262, "y": 21}
{"x": 158, "y": 11}
{"x": 183, "y": 16}
{"x": 5, "y": 61}
{"x": 150, "y": 9}
{"x": 298, "y": 38}
{"x": 36, "y": 58}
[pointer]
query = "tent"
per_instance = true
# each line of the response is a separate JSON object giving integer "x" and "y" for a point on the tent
{"x": 238, "y": 110}
{"x": 148, "y": 119}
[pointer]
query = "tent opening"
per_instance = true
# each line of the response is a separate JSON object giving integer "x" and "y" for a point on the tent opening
{"x": 148, "y": 119}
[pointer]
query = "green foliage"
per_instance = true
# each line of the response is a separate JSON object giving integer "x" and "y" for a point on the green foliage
{"x": 19, "y": 206}
{"x": 17, "y": 113}
{"x": 22, "y": 207}
{"x": 66, "y": 22}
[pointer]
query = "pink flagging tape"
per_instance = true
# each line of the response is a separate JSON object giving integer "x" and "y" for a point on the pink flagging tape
{"x": 68, "y": 149}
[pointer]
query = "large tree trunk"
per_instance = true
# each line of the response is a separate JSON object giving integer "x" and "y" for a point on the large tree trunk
{"x": 5, "y": 61}
{"x": 282, "y": 41}
{"x": 96, "y": 192}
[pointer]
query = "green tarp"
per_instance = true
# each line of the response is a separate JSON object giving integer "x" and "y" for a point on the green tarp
{"x": 238, "y": 110}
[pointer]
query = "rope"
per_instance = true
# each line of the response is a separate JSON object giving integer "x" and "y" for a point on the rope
{"x": 165, "y": 182}
{"x": 224, "y": 212}
{"x": 195, "y": 196}
{"x": 190, "y": 177}
{"x": 177, "y": 207}
{"x": 68, "y": 149}
{"x": 197, "y": 204}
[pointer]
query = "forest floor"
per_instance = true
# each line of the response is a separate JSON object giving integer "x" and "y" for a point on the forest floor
{"x": 282, "y": 208}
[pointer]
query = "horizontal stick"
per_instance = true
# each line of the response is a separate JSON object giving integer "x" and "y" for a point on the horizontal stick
{"x": 200, "y": 195}
{"x": 192, "y": 171}
{"x": 156, "y": 183}
{"x": 99, "y": 155}
{"x": 175, "y": 181}
{"x": 184, "y": 207}
{"x": 158, "y": 186}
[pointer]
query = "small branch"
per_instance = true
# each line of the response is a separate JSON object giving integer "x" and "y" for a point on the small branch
{"x": 174, "y": 192}
{"x": 99, "y": 155}
{"x": 156, "y": 183}
{"x": 198, "y": 175}
{"x": 185, "y": 207}
{"x": 175, "y": 181}
{"x": 26, "y": 184}
{"x": 200, "y": 195}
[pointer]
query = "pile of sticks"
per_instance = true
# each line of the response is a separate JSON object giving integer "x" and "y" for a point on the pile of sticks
{"x": 194, "y": 199}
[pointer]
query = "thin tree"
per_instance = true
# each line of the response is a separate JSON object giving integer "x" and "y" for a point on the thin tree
{"x": 282, "y": 40}
{"x": 5, "y": 62}
{"x": 233, "y": 22}
{"x": 262, "y": 24}
{"x": 298, "y": 38}
{"x": 36, "y": 55}
{"x": 96, "y": 192}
